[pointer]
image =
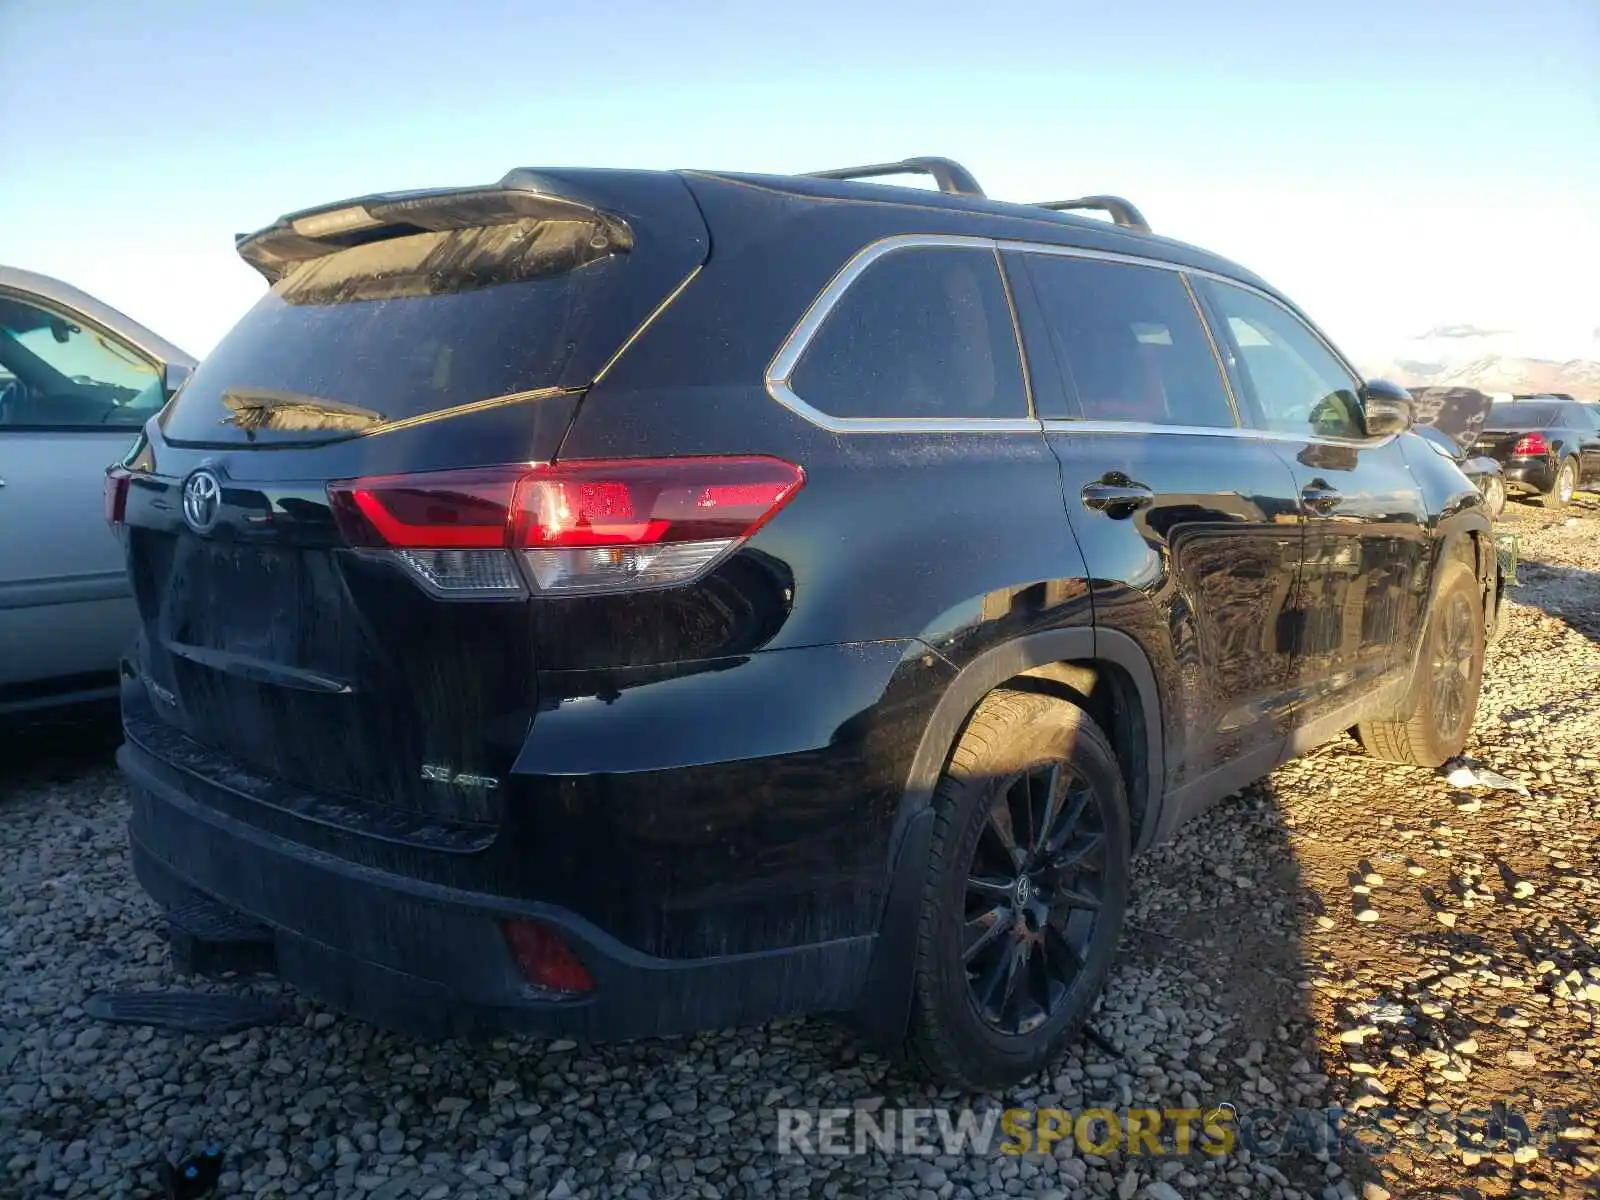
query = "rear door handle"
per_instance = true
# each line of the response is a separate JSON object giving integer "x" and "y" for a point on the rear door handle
{"x": 1117, "y": 494}
{"x": 1320, "y": 498}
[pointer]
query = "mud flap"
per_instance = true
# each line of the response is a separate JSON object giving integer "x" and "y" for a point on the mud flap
{"x": 212, "y": 1014}
{"x": 208, "y": 938}
{"x": 882, "y": 1014}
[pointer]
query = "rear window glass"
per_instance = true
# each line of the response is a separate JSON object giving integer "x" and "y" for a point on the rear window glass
{"x": 398, "y": 329}
{"x": 1130, "y": 343}
{"x": 1521, "y": 414}
{"x": 924, "y": 332}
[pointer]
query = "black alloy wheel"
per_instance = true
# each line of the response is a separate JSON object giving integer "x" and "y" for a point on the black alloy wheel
{"x": 1033, "y": 896}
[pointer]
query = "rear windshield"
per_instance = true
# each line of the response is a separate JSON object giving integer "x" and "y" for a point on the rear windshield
{"x": 1522, "y": 414}
{"x": 400, "y": 328}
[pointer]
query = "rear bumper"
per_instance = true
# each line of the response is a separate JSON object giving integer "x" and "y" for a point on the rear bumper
{"x": 428, "y": 960}
{"x": 1529, "y": 475}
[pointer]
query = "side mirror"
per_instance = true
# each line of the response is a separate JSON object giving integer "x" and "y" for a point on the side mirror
{"x": 173, "y": 377}
{"x": 1385, "y": 408}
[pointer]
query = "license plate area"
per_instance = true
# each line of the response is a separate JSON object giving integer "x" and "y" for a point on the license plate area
{"x": 240, "y": 598}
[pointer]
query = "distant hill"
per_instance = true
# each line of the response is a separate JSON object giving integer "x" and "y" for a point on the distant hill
{"x": 1579, "y": 377}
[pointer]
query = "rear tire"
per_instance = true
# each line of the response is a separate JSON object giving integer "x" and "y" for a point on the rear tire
{"x": 1566, "y": 482}
{"x": 1443, "y": 696}
{"x": 1024, "y": 894}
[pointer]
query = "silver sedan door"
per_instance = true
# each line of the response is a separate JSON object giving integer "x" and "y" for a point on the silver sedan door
{"x": 73, "y": 395}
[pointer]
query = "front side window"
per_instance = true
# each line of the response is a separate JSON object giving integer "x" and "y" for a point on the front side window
{"x": 56, "y": 372}
{"x": 923, "y": 332}
{"x": 1292, "y": 382}
{"x": 1130, "y": 342}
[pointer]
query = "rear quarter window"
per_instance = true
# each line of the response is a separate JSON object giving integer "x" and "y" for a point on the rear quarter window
{"x": 924, "y": 332}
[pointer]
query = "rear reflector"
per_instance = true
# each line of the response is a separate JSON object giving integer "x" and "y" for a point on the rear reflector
{"x": 116, "y": 495}
{"x": 1530, "y": 445}
{"x": 575, "y": 527}
{"x": 545, "y": 960}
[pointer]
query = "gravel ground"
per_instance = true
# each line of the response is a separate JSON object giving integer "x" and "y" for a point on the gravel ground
{"x": 1344, "y": 933}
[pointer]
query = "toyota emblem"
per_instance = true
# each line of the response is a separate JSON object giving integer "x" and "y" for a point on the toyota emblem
{"x": 202, "y": 500}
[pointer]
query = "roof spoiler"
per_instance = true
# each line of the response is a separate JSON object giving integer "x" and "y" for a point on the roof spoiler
{"x": 315, "y": 232}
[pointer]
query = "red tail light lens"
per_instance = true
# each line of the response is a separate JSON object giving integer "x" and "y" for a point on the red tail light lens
{"x": 442, "y": 510}
{"x": 601, "y": 526}
{"x": 576, "y": 527}
{"x": 116, "y": 495}
{"x": 544, "y": 959}
{"x": 1530, "y": 445}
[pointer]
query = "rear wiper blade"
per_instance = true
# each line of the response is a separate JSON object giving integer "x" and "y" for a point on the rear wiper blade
{"x": 266, "y": 408}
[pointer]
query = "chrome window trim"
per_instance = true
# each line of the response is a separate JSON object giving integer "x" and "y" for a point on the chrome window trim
{"x": 794, "y": 346}
{"x": 1086, "y": 425}
{"x": 1245, "y": 432}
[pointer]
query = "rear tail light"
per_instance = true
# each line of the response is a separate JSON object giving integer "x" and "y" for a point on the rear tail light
{"x": 571, "y": 528}
{"x": 1530, "y": 445}
{"x": 116, "y": 495}
{"x": 449, "y": 529}
{"x": 603, "y": 526}
{"x": 544, "y": 959}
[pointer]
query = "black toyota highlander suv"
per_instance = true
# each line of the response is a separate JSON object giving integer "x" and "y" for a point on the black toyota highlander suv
{"x": 606, "y": 603}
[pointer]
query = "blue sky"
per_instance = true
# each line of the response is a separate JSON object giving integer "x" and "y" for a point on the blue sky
{"x": 1394, "y": 166}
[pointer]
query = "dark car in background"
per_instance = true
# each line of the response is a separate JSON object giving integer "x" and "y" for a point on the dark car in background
{"x": 1548, "y": 448}
{"x": 609, "y": 603}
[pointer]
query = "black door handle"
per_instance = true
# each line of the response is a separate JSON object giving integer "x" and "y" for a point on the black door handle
{"x": 1117, "y": 494}
{"x": 1320, "y": 498}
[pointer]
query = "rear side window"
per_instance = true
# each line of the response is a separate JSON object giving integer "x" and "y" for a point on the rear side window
{"x": 1130, "y": 343}
{"x": 401, "y": 328}
{"x": 924, "y": 332}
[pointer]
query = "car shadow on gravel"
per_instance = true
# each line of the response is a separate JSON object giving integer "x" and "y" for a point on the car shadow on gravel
{"x": 1226, "y": 908}
{"x": 56, "y": 746}
{"x": 1570, "y": 594}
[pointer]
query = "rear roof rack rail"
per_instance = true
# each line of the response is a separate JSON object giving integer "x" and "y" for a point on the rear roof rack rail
{"x": 1122, "y": 211}
{"x": 950, "y": 175}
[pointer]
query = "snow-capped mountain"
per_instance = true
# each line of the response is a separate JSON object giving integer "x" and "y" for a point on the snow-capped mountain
{"x": 1492, "y": 361}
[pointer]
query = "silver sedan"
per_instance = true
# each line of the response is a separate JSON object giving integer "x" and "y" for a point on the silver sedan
{"x": 77, "y": 381}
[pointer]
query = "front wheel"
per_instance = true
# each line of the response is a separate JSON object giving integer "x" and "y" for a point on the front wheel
{"x": 1566, "y": 482}
{"x": 1443, "y": 696}
{"x": 1023, "y": 900}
